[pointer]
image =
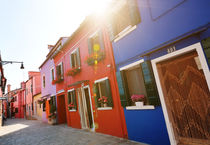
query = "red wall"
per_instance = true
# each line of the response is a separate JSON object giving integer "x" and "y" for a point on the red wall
{"x": 104, "y": 119}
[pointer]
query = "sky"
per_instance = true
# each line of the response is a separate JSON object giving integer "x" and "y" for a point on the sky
{"x": 27, "y": 27}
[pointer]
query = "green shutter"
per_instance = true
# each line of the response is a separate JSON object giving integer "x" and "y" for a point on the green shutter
{"x": 109, "y": 93}
{"x": 62, "y": 68}
{"x": 134, "y": 12}
{"x": 150, "y": 85}
{"x": 78, "y": 57}
{"x": 96, "y": 95}
{"x": 101, "y": 39}
{"x": 74, "y": 99}
{"x": 57, "y": 71}
{"x": 69, "y": 98}
{"x": 90, "y": 46}
{"x": 122, "y": 90}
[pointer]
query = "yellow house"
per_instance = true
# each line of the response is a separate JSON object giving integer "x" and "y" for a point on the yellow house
{"x": 37, "y": 106}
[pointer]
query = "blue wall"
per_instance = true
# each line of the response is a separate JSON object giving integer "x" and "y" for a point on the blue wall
{"x": 147, "y": 126}
{"x": 158, "y": 27}
{"x": 162, "y": 23}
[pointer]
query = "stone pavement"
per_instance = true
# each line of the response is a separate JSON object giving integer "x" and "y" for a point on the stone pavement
{"x": 34, "y": 132}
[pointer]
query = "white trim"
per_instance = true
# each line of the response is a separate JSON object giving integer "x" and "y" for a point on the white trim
{"x": 145, "y": 107}
{"x": 104, "y": 108}
{"x": 60, "y": 91}
{"x": 91, "y": 106}
{"x": 94, "y": 33}
{"x": 75, "y": 50}
{"x": 127, "y": 30}
{"x": 204, "y": 65}
{"x": 71, "y": 90}
{"x": 72, "y": 110}
{"x": 52, "y": 95}
{"x": 132, "y": 64}
{"x": 100, "y": 80}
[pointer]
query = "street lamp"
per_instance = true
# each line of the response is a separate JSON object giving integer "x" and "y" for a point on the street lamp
{"x": 11, "y": 62}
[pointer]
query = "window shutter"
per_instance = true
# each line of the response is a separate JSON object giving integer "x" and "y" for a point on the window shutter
{"x": 134, "y": 12}
{"x": 62, "y": 70}
{"x": 122, "y": 90}
{"x": 150, "y": 84}
{"x": 109, "y": 93}
{"x": 96, "y": 95}
{"x": 71, "y": 60}
{"x": 78, "y": 57}
{"x": 69, "y": 98}
{"x": 90, "y": 46}
{"x": 74, "y": 99}
{"x": 57, "y": 71}
{"x": 101, "y": 40}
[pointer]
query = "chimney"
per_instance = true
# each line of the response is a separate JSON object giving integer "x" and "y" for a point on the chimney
{"x": 8, "y": 88}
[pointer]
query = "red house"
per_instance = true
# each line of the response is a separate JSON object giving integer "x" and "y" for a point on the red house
{"x": 86, "y": 82}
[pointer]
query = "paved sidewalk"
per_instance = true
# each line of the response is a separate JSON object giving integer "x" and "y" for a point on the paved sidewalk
{"x": 34, "y": 132}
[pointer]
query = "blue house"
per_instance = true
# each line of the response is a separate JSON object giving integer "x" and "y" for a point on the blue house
{"x": 162, "y": 53}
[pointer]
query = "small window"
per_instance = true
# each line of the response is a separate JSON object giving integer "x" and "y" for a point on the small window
{"x": 59, "y": 71}
{"x": 125, "y": 15}
{"x": 52, "y": 74}
{"x": 102, "y": 93}
{"x": 43, "y": 81}
{"x": 31, "y": 89}
{"x": 72, "y": 104}
{"x": 75, "y": 58}
{"x": 96, "y": 43}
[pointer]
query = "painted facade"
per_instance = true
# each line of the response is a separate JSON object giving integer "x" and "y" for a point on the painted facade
{"x": 89, "y": 87}
{"x": 37, "y": 107}
{"x": 159, "y": 29}
{"x": 48, "y": 89}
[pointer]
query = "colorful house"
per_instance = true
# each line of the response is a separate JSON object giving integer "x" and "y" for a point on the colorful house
{"x": 33, "y": 87}
{"x": 161, "y": 51}
{"x": 86, "y": 83}
{"x": 48, "y": 89}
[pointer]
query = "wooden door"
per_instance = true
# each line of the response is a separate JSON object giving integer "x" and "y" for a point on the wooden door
{"x": 61, "y": 109}
{"x": 187, "y": 98}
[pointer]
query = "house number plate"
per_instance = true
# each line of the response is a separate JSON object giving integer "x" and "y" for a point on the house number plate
{"x": 171, "y": 49}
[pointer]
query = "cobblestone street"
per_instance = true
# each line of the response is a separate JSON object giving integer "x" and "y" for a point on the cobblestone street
{"x": 33, "y": 132}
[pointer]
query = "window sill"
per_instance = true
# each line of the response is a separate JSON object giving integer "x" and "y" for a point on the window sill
{"x": 104, "y": 108}
{"x": 124, "y": 32}
{"x": 73, "y": 110}
{"x": 146, "y": 107}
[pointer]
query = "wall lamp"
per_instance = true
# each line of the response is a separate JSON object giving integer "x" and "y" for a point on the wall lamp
{"x": 11, "y": 62}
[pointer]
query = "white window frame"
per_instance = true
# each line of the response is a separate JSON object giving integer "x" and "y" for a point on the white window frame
{"x": 144, "y": 107}
{"x": 98, "y": 81}
{"x": 74, "y": 52}
{"x": 71, "y": 90}
{"x": 52, "y": 68}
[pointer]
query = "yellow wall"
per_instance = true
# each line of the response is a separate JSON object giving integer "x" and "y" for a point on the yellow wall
{"x": 37, "y": 109}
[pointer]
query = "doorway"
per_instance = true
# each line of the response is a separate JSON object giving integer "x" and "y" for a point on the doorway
{"x": 61, "y": 109}
{"x": 85, "y": 108}
{"x": 184, "y": 94}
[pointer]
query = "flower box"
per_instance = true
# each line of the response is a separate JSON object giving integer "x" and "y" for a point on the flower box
{"x": 95, "y": 58}
{"x": 57, "y": 80}
{"x": 73, "y": 71}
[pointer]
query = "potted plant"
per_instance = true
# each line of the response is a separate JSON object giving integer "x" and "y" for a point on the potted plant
{"x": 58, "y": 80}
{"x": 95, "y": 58}
{"x": 52, "y": 116}
{"x": 71, "y": 106}
{"x": 103, "y": 101}
{"x": 138, "y": 100}
{"x": 73, "y": 71}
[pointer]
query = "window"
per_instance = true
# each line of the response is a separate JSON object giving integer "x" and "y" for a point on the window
{"x": 75, "y": 58}
{"x": 102, "y": 93}
{"x": 59, "y": 71}
{"x": 137, "y": 80}
{"x": 52, "y": 103}
{"x": 31, "y": 88}
{"x": 52, "y": 74}
{"x": 44, "y": 106}
{"x": 43, "y": 81}
{"x": 206, "y": 48}
{"x": 16, "y": 110}
{"x": 125, "y": 15}
{"x": 96, "y": 42}
{"x": 72, "y": 104}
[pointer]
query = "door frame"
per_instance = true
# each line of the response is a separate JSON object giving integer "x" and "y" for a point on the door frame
{"x": 91, "y": 105}
{"x": 195, "y": 47}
